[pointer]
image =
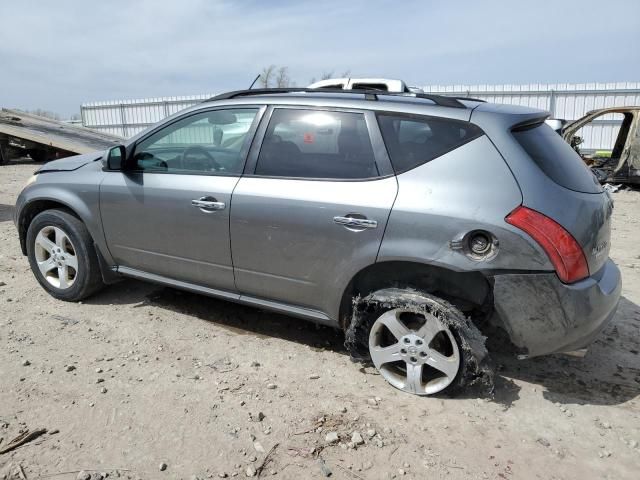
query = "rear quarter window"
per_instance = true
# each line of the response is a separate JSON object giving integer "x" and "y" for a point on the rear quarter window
{"x": 414, "y": 140}
{"x": 556, "y": 158}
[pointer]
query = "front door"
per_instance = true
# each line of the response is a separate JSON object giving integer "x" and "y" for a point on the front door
{"x": 313, "y": 210}
{"x": 168, "y": 213}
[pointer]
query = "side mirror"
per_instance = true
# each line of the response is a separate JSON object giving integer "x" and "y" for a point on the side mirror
{"x": 115, "y": 157}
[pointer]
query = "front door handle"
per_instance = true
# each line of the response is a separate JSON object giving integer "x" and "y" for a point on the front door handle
{"x": 208, "y": 204}
{"x": 355, "y": 222}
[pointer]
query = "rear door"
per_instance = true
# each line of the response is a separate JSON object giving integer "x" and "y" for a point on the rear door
{"x": 168, "y": 214}
{"x": 312, "y": 208}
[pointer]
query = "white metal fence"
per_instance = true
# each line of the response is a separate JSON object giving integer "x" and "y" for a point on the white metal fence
{"x": 563, "y": 100}
{"x": 128, "y": 117}
{"x": 568, "y": 101}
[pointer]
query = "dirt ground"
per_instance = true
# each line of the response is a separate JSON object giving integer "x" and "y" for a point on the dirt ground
{"x": 145, "y": 382}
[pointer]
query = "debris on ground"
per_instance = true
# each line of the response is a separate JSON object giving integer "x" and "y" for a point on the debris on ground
{"x": 611, "y": 188}
{"x": 25, "y": 437}
{"x": 326, "y": 471}
{"x": 267, "y": 459}
{"x": 332, "y": 437}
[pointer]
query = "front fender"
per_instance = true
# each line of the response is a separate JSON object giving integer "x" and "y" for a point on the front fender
{"x": 77, "y": 191}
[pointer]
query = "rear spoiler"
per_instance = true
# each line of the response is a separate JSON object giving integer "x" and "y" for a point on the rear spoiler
{"x": 530, "y": 123}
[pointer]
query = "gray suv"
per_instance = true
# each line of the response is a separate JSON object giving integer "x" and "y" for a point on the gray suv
{"x": 418, "y": 224}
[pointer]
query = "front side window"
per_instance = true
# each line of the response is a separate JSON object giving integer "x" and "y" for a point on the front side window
{"x": 412, "y": 141}
{"x": 316, "y": 144}
{"x": 205, "y": 143}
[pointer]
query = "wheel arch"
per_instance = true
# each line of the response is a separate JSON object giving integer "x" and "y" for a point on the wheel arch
{"x": 471, "y": 292}
{"x": 35, "y": 206}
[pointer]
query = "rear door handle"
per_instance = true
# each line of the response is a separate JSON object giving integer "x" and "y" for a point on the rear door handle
{"x": 355, "y": 222}
{"x": 208, "y": 204}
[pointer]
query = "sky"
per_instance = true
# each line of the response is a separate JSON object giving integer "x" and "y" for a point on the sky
{"x": 55, "y": 55}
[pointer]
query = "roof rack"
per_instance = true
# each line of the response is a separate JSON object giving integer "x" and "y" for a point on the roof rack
{"x": 373, "y": 95}
{"x": 471, "y": 99}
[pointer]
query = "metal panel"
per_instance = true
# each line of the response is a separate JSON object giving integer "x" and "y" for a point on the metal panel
{"x": 568, "y": 101}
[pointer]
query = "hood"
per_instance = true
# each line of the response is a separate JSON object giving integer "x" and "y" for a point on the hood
{"x": 70, "y": 163}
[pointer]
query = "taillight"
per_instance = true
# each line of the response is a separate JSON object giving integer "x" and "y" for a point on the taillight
{"x": 563, "y": 250}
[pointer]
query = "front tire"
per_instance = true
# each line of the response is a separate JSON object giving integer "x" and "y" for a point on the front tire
{"x": 419, "y": 343}
{"x": 62, "y": 256}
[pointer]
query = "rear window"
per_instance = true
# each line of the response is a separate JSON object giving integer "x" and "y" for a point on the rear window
{"x": 412, "y": 140}
{"x": 557, "y": 159}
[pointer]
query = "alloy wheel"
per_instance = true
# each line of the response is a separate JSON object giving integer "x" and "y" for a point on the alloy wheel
{"x": 56, "y": 257}
{"x": 414, "y": 352}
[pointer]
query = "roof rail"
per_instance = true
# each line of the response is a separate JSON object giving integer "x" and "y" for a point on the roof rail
{"x": 471, "y": 99}
{"x": 440, "y": 100}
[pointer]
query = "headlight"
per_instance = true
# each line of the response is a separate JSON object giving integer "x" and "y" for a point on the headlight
{"x": 32, "y": 179}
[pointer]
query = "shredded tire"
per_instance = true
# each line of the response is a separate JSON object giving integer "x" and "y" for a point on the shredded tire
{"x": 474, "y": 369}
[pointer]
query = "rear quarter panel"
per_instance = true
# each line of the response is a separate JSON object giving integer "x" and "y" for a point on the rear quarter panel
{"x": 586, "y": 216}
{"x": 466, "y": 189}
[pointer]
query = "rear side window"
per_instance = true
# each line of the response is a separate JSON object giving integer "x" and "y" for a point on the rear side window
{"x": 556, "y": 158}
{"x": 316, "y": 144}
{"x": 412, "y": 141}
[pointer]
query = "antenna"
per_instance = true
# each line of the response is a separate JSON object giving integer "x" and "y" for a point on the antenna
{"x": 254, "y": 82}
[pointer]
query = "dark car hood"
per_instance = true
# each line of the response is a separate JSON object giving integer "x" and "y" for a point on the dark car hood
{"x": 70, "y": 163}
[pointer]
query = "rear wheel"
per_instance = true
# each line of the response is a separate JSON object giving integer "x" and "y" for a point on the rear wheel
{"x": 62, "y": 256}
{"x": 414, "y": 352}
{"x": 419, "y": 343}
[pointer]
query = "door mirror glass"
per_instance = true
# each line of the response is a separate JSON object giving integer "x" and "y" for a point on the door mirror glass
{"x": 115, "y": 158}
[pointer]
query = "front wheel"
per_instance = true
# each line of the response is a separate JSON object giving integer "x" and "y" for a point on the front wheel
{"x": 62, "y": 256}
{"x": 419, "y": 343}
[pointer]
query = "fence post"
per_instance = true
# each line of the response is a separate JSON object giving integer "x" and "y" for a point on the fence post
{"x": 124, "y": 121}
{"x": 552, "y": 103}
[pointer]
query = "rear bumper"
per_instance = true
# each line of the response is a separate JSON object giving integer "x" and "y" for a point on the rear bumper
{"x": 543, "y": 315}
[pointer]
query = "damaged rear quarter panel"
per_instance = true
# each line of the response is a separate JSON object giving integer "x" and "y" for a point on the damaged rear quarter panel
{"x": 542, "y": 315}
{"x": 470, "y": 188}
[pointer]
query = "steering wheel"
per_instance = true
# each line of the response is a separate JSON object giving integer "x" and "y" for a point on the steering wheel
{"x": 199, "y": 149}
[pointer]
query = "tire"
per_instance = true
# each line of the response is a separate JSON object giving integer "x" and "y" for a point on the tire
{"x": 419, "y": 343}
{"x": 61, "y": 243}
